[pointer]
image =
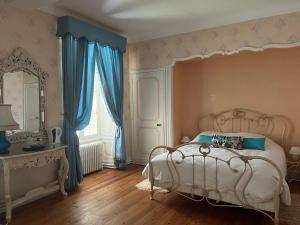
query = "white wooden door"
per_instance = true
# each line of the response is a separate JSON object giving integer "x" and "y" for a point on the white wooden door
{"x": 148, "y": 113}
{"x": 31, "y": 106}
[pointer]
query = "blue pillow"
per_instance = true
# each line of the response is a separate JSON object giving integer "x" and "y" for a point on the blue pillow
{"x": 204, "y": 138}
{"x": 254, "y": 143}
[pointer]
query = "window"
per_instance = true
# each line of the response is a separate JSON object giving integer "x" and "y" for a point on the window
{"x": 101, "y": 125}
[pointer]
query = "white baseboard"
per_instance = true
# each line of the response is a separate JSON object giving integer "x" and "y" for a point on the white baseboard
{"x": 141, "y": 160}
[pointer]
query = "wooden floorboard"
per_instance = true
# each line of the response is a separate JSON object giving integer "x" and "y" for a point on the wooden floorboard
{"x": 110, "y": 197}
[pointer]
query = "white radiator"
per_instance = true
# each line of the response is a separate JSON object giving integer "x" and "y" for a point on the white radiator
{"x": 91, "y": 157}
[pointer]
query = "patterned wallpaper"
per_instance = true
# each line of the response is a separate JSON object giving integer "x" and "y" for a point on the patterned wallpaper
{"x": 35, "y": 32}
{"x": 126, "y": 107}
{"x": 256, "y": 33}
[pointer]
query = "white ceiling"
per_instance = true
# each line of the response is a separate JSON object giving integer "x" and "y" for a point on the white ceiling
{"x": 140, "y": 20}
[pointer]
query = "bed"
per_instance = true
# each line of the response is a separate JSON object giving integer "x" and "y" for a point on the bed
{"x": 224, "y": 176}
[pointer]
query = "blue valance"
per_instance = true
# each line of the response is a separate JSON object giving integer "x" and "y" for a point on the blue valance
{"x": 79, "y": 29}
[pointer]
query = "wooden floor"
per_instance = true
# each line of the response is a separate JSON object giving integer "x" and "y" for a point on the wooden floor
{"x": 110, "y": 197}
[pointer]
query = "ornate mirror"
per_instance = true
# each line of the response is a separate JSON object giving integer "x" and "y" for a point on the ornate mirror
{"x": 22, "y": 84}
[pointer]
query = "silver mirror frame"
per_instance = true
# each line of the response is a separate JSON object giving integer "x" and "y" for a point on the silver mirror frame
{"x": 20, "y": 60}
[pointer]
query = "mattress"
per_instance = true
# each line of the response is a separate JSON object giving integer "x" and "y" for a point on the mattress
{"x": 260, "y": 189}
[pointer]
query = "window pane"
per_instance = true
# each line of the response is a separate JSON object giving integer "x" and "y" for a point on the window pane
{"x": 107, "y": 126}
{"x": 95, "y": 104}
{"x": 92, "y": 128}
{"x": 95, "y": 108}
{"x": 101, "y": 124}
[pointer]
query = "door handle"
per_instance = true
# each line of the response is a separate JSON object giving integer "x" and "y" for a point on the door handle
{"x": 159, "y": 124}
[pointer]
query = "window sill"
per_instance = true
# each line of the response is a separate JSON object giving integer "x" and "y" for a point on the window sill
{"x": 95, "y": 140}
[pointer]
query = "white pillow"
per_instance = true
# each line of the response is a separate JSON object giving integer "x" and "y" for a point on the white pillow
{"x": 242, "y": 134}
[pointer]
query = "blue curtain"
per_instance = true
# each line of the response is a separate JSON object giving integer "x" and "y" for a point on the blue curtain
{"x": 110, "y": 65}
{"x": 78, "y": 63}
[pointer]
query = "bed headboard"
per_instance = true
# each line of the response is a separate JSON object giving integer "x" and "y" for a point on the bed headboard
{"x": 275, "y": 127}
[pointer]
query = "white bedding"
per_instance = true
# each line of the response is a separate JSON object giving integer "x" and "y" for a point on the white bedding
{"x": 261, "y": 188}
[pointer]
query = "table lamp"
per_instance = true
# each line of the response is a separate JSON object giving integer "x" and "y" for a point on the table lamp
{"x": 185, "y": 139}
{"x": 295, "y": 152}
{"x": 7, "y": 122}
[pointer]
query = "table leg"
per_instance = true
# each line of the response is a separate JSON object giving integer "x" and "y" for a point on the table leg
{"x": 63, "y": 175}
{"x": 7, "y": 196}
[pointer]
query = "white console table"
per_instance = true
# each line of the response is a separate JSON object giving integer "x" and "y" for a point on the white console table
{"x": 18, "y": 159}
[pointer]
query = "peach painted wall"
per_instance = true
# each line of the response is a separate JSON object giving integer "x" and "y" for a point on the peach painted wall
{"x": 266, "y": 81}
{"x": 178, "y": 96}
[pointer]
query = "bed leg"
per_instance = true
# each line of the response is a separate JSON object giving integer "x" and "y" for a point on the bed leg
{"x": 276, "y": 213}
{"x": 151, "y": 195}
{"x": 276, "y": 217}
{"x": 151, "y": 189}
{"x": 276, "y": 220}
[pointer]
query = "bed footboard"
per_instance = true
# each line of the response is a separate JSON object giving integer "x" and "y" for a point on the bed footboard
{"x": 204, "y": 154}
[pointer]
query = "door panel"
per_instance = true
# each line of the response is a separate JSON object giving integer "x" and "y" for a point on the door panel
{"x": 147, "y": 137}
{"x": 148, "y": 99}
{"x": 149, "y": 112}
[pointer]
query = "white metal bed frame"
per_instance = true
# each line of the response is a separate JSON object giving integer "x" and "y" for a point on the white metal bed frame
{"x": 237, "y": 120}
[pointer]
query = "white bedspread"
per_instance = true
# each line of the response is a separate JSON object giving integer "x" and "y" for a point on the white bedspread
{"x": 260, "y": 189}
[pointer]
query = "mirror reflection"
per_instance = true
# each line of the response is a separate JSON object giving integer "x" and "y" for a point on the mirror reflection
{"x": 21, "y": 90}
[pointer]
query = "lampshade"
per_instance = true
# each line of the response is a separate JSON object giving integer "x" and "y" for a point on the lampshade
{"x": 185, "y": 139}
{"x": 7, "y": 121}
{"x": 295, "y": 152}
